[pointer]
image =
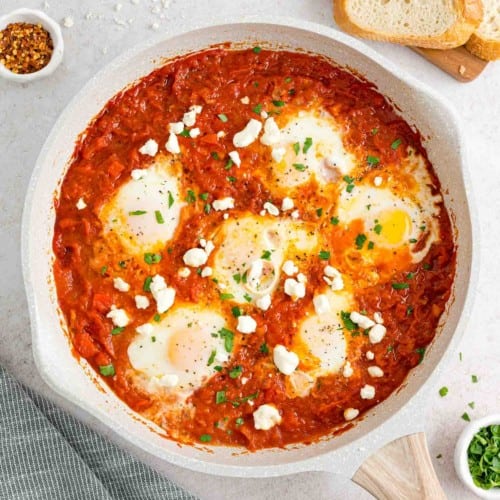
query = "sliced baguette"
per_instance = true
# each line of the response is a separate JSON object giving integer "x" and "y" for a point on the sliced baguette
{"x": 434, "y": 24}
{"x": 485, "y": 42}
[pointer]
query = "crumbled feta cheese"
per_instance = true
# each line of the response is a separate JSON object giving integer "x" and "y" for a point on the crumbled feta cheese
{"x": 377, "y": 333}
{"x": 248, "y": 135}
{"x": 367, "y": 392}
{"x": 333, "y": 278}
{"x": 295, "y": 214}
{"x": 194, "y": 132}
{"x": 286, "y": 361}
{"x": 277, "y": 154}
{"x": 138, "y": 174}
{"x": 163, "y": 295}
{"x": 118, "y": 317}
{"x": 206, "y": 272}
{"x": 347, "y": 371}
{"x": 289, "y": 268}
{"x": 150, "y": 148}
{"x": 262, "y": 213}
{"x": 225, "y": 216}
{"x": 189, "y": 118}
{"x": 370, "y": 356}
{"x": 68, "y": 22}
{"x": 209, "y": 247}
{"x": 264, "y": 114}
{"x": 80, "y": 204}
{"x": 378, "y": 318}
{"x": 245, "y": 100}
{"x": 301, "y": 278}
{"x": 350, "y": 413}
{"x": 203, "y": 242}
{"x": 266, "y": 417}
{"x": 235, "y": 156}
{"x": 184, "y": 272}
{"x": 121, "y": 285}
{"x": 195, "y": 257}
{"x": 375, "y": 371}
{"x": 264, "y": 302}
{"x": 271, "y": 133}
{"x": 223, "y": 204}
{"x": 377, "y": 181}
{"x": 321, "y": 304}
{"x": 145, "y": 329}
{"x": 196, "y": 108}
{"x": 361, "y": 320}
{"x": 244, "y": 380}
{"x": 255, "y": 273}
{"x": 172, "y": 145}
{"x": 295, "y": 289}
{"x": 176, "y": 127}
{"x": 221, "y": 356}
{"x": 271, "y": 209}
{"x": 141, "y": 302}
{"x": 221, "y": 134}
{"x": 287, "y": 204}
{"x": 246, "y": 324}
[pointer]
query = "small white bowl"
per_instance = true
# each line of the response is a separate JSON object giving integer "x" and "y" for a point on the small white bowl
{"x": 35, "y": 17}
{"x": 460, "y": 458}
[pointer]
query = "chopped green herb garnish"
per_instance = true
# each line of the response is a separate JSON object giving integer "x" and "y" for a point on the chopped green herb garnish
{"x": 228, "y": 337}
{"x": 334, "y": 220}
{"x": 307, "y": 144}
{"x": 299, "y": 166}
{"x": 203, "y": 196}
{"x": 247, "y": 297}
{"x": 443, "y": 391}
{"x": 211, "y": 359}
{"x": 218, "y": 368}
{"x": 185, "y": 133}
{"x": 220, "y": 397}
{"x": 226, "y": 296}
{"x": 159, "y": 217}
{"x": 374, "y": 131}
{"x": 122, "y": 264}
{"x": 390, "y": 348}
{"x": 152, "y": 258}
{"x": 471, "y": 405}
{"x": 319, "y": 212}
{"x": 324, "y": 254}
{"x": 409, "y": 310}
{"x": 466, "y": 417}
{"x": 231, "y": 178}
{"x": 348, "y": 322}
{"x": 147, "y": 284}
{"x": 103, "y": 270}
{"x": 296, "y": 148}
{"x": 190, "y": 197}
{"x": 264, "y": 349}
{"x": 257, "y": 49}
{"x": 117, "y": 330}
{"x": 244, "y": 277}
{"x": 107, "y": 370}
{"x": 360, "y": 241}
{"x": 266, "y": 255}
{"x": 410, "y": 276}
{"x": 138, "y": 212}
{"x": 157, "y": 318}
{"x": 421, "y": 352}
{"x": 255, "y": 84}
{"x": 207, "y": 208}
{"x": 153, "y": 338}
{"x": 222, "y": 117}
{"x": 279, "y": 104}
{"x": 257, "y": 109}
{"x": 215, "y": 155}
{"x": 372, "y": 160}
{"x": 236, "y": 312}
{"x": 228, "y": 164}
{"x": 237, "y": 278}
{"x": 413, "y": 240}
{"x": 236, "y": 372}
{"x": 239, "y": 421}
{"x": 474, "y": 379}
{"x": 205, "y": 438}
{"x": 400, "y": 286}
{"x": 377, "y": 228}
{"x": 288, "y": 79}
{"x": 426, "y": 266}
{"x": 395, "y": 145}
{"x": 371, "y": 245}
{"x": 484, "y": 457}
{"x": 170, "y": 200}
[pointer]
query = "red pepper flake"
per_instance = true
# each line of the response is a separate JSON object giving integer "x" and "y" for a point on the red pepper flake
{"x": 25, "y": 48}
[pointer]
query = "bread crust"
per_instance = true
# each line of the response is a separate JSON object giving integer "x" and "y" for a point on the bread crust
{"x": 470, "y": 15}
{"x": 484, "y": 48}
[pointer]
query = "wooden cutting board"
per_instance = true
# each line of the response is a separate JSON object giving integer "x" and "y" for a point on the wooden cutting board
{"x": 459, "y": 62}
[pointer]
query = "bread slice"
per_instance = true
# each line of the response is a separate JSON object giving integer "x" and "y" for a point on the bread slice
{"x": 485, "y": 42}
{"x": 434, "y": 24}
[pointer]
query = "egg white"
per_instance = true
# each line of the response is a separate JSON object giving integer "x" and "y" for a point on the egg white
{"x": 152, "y": 193}
{"x": 180, "y": 344}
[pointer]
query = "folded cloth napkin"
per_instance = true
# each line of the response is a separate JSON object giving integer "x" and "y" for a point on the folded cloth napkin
{"x": 47, "y": 454}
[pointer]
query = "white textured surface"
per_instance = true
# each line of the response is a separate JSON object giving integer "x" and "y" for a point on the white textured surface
{"x": 32, "y": 109}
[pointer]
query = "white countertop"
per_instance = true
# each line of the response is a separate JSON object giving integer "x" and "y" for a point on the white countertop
{"x": 101, "y": 31}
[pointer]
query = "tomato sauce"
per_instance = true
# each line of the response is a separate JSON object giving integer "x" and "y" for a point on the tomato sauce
{"x": 85, "y": 263}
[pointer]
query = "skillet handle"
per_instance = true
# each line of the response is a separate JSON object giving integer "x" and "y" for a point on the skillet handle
{"x": 401, "y": 469}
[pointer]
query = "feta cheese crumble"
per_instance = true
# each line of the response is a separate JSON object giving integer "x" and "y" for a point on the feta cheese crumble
{"x": 295, "y": 289}
{"x": 286, "y": 361}
{"x": 164, "y": 296}
{"x": 266, "y": 417}
{"x": 172, "y": 145}
{"x": 80, "y": 204}
{"x": 367, "y": 392}
{"x": 246, "y": 324}
{"x": 195, "y": 257}
{"x": 121, "y": 285}
{"x": 149, "y": 148}
{"x": 141, "y": 302}
{"x": 248, "y": 135}
{"x": 223, "y": 204}
{"x": 118, "y": 317}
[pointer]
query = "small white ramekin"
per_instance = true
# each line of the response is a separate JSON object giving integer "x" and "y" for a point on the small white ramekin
{"x": 460, "y": 458}
{"x": 35, "y": 17}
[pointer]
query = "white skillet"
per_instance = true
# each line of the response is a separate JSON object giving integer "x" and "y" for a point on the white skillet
{"x": 402, "y": 469}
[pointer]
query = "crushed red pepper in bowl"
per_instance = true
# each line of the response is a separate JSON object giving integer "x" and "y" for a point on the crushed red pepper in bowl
{"x": 25, "y": 47}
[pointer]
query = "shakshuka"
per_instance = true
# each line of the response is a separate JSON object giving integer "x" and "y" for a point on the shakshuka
{"x": 251, "y": 247}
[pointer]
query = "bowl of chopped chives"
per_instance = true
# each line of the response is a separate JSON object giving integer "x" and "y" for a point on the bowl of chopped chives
{"x": 31, "y": 45}
{"x": 477, "y": 456}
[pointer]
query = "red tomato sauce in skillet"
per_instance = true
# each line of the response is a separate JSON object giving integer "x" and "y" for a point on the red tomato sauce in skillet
{"x": 410, "y": 295}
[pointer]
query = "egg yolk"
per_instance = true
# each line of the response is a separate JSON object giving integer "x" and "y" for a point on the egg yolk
{"x": 396, "y": 226}
{"x": 185, "y": 350}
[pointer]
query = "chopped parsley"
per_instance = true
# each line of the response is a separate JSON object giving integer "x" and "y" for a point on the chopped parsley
{"x": 348, "y": 322}
{"x": 203, "y": 196}
{"x": 257, "y": 109}
{"x": 334, "y": 220}
{"x": 220, "y": 397}
{"x": 395, "y": 145}
{"x": 264, "y": 349}
{"x": 117, "y": 330}
{"x": 413, "y": 240}
{"x": 374, "y": 131}
{"x": 409, "y": 310}
{"x": 211, "y": 359}
{"x": 288, "y": 79}
{"x": 324, "y": 254}
{"x": 159, "y": 217}
{"x": 239, "y": 421}
{"x": 222, "y": 118}
{"x": 266, "y": 255}
{"x": 426, "y": 266}
{"x": 360, "y": 241}
{"x": 483, "y": 457}
{"x": 247, "y": 297}
{"x": 207, "y": 208}
{"x": 307, "y": 144}
{"x": 153, "y": 339}
{"x": 107, "y": 370}
{"x": 190, "y": 197}
{"x": 244, "y": 399}
{"x": 319, "y": 212}
{"x": 474, "y": 379}
{"x": 152, "y": 258}
{"x": 465, "y": 416}
{"x": 103, "y": 270}
{"x": 147, "y": 284}
{"x": 122, "y": 264}
{"x": 226, "y": 296}
{"x": 410, "y": 276}
{"x": 400, "y": 286}
{"x": 138, "y": 212}
{"x": 377, "y": 228}
{"x": 215, "y": 155}
{"x": 299, "y": 166}
{"x": 228, "y": 164}
{"x": 371, "y": 245}
{"x": 157, "y": 318}
{"x": 228, "y": 337}
{"x": 236, "y": 372}
{"x": 372, "y": 160}
{"x": 205, "y": 438}
{"x": 471, "y": 405}
{"x": 296, "y": 148}
{"x": 421, "y": 352}
{"x": 170, "y": 200}
{"x": 185, "y": 133}
{"x": 350, "y": 183}
{"x": 231, "y": 179}
{"x": 279, "y": 104}
{"x": 237, "y": 278}
{"x": 236, "y": 311}
{"x": 257, "y": 50}
{"x": 443, "y": 391}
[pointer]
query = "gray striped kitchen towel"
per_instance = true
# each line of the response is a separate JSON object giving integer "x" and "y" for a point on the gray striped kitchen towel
{"x": 47, "y": 454}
